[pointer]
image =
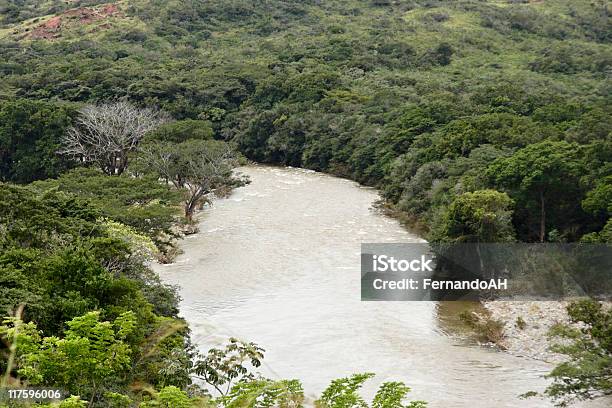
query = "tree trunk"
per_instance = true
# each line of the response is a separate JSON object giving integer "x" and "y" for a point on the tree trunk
{"x": 542, "y": 218}
{"x": 121, "y": 163}
{"x": 191, "y": 202}
{"x": 93, "y": 395}
{"x": 189, "y": 207}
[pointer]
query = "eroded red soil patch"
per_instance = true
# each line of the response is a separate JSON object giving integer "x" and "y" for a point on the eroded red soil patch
{"x": 80, "y": 16}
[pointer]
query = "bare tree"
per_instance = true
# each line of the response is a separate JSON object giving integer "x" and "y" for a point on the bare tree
{"x": 105, "y": 134}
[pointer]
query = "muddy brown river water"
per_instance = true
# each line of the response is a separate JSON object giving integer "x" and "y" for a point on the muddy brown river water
{"x": 277, "y": 263}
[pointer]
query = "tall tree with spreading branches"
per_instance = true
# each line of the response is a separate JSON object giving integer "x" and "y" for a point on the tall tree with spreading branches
{"x": 200, "y": 167}
{"x": 105, "y": 134}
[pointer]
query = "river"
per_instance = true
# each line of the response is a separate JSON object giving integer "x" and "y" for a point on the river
{"x": 277, "y": 263}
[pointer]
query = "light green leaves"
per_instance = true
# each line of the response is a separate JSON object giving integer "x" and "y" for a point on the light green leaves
{"x": 265, "y": 393}
{"x": 221, "y": 367}
{"x": 91, "y": 352}
{"x": 343, "y": 393}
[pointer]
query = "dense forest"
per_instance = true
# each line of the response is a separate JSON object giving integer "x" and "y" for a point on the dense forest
{"x": 479, "y": 121}
{"x": 427, "y": 100}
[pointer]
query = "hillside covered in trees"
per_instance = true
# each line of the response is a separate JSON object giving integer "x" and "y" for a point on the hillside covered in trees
{"x": 479, "y": 121}
{"x": 427, "y": 100}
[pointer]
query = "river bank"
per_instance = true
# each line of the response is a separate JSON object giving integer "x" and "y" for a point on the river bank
{"x": 526, "y": 325}
{"x": 168, "y": 244}
{"x": 520, "y": 328}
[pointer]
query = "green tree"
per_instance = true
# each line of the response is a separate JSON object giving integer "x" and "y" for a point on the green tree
{"x": 343, "y": 393}
{"x": 603, "y": 236}
{"x": 171, "y": 397}
{"x": 222, "y": 367}
{"x": 182, "y": 130}
{"x": 58, "y": 260}
{"x": 543, "y": 175}
{"x": 264, "y": 393}
{"x": 443, "y": 53}
{"x": 31, "y": 220}
{"x": 30, "y": 135}
{"x": 140, "y": 202}
{"x": 599, "y": 200}
{"x": 479, "y": 216}
{"x": 200, "y": 167}
{"x": 73, "y": 402}
{"x": 588, "y": 372}
{"x": 91, "y": 356}
{"x": 392, "y": 394}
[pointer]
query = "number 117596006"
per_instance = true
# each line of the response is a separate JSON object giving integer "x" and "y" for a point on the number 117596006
{"x": 31, "y": 394}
